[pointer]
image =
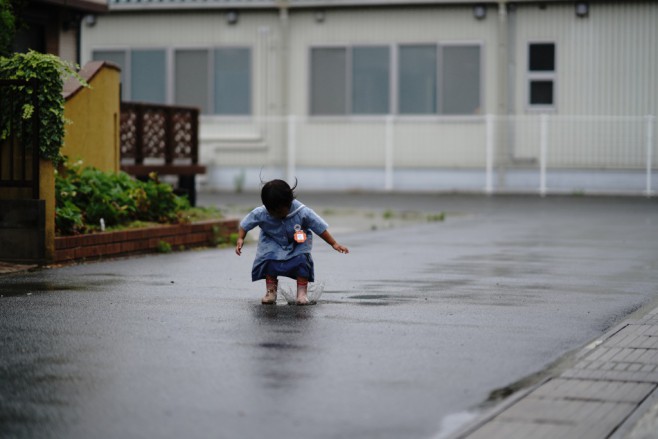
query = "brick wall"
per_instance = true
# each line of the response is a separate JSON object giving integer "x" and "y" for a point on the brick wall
{"x": 146, "y": 240}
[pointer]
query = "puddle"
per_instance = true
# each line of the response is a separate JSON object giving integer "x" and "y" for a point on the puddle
{"x": 453, "y": 422}
{"x": 29, "y": 288}
{"x": 280, "y": 346}
{"x": 371, "y": 297}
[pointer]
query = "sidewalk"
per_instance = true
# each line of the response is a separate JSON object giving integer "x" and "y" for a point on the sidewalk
{"x": 8, "y": 268}
{"x": 611, "y": 391}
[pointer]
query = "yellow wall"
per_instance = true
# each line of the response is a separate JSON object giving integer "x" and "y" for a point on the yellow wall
{"x": 47, "y": 193}
{"x": 93, "y": 136}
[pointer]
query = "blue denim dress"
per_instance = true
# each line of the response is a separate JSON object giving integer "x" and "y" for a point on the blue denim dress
{"x": 278, "y": 254}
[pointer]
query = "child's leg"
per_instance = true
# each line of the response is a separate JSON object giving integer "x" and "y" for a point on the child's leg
{"x": 302, "y": 290}
{"x": 271, "y": 285}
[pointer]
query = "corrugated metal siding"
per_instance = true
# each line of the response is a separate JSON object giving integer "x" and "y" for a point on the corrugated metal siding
{"x": 607, "y": 63}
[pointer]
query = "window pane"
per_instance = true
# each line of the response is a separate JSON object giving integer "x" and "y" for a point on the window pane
{"x": 417, "y": 80}
{"x": 541, "y": 92}
{"x": 117, "y": 57}
{"x": 370, "y": 80}
{"x": 191, "y": 80}
{"x": 541, "y": 57}
{"x": 328, "y": 81}
{"x": 233, "y": 81}
{"x": 460, "y": 91}
{"x": 147, "y": 76}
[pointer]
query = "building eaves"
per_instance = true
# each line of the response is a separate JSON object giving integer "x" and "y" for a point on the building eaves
{"x": 124, "y": 5}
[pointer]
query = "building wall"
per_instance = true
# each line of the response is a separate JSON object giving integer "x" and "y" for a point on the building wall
{"x": 93, "y": 135}
{"x": 605, "y": 66}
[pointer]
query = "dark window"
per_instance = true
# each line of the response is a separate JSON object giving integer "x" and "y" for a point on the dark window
{"x": 541, "y": 92}
{"x": 542, "y": 57}
{"x": 541, "y": 75}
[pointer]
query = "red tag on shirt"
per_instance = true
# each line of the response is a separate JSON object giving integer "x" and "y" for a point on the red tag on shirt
{"x": 300, "y": 236}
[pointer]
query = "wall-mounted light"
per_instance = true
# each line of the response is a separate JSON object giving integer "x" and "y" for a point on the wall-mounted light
{"x": 232, "y": 16}
{"x": 582, "y": 9}
{"x": 319, "y": 16}
{"x": 90, "y": 20}
{"x": 479, "y": 11}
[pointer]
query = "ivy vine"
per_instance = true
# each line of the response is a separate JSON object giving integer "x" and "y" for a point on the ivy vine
{"x": 50, "y": 72}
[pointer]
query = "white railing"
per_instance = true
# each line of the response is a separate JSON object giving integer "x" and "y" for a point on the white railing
{"x": 527, "y": 153}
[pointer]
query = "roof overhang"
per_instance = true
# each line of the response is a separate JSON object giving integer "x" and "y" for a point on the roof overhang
{"x": 89, "y": 6}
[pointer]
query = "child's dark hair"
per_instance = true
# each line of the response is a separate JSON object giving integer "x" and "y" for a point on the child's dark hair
{"x": 277, "y": 194}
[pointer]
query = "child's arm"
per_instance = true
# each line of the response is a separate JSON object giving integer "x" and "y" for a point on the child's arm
{"x": 332, "y": 242}
{"x": 242, "y": 233}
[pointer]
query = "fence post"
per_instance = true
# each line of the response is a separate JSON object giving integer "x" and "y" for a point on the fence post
{"x": 389, "y": 153}
{"x": 292, "y": 148}
{"x": 489, "y": 146}
{"x": 649, "y": 140}
{"x": 543, "y": 152}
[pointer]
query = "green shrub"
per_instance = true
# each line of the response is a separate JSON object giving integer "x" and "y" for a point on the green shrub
{"x": 163, "y": 247}
{"x": 85, "y": 196}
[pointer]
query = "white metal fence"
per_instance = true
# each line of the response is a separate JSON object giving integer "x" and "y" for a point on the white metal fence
{"x": 531, "y": 153}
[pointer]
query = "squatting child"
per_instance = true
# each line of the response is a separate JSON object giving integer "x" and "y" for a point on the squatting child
{"x": 286, "y": 239}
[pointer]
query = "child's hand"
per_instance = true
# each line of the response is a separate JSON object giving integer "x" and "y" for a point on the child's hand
{"x": 238, "y": 246}
{"x": 340, "y": 248}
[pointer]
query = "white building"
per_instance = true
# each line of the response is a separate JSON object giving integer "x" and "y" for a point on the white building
{"x": 401, "y": 95}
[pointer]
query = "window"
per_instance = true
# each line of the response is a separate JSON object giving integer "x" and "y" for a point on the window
{"x": 460, "y": 85}
{"x": 417, "y": 80}
{"x": 147, "y": 76}
{"x": 328, "y": 81}
{"x": 541, "y": 75}
{"x": 191, "y": 72}
{"x": 232, "y": 73}
{"x": 218, "y": 81}
{"x": 431, "y": 79}
{"x": 350, "y": 80}
{"x": 370, "y": 80}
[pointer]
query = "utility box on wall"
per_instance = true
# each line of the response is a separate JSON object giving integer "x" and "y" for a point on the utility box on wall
{"x": 23, "y": 231}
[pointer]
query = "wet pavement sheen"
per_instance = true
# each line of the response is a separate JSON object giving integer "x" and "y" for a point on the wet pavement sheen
{"x": 416, "y": 326}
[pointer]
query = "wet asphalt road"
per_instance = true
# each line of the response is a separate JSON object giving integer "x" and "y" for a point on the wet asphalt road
{"x": 417, "y": 324}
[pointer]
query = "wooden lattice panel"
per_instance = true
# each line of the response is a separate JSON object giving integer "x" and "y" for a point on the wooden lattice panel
{"x": 128, "y": 133}
{"x": 153, "y": 132}
{"x": 183, "y": 134}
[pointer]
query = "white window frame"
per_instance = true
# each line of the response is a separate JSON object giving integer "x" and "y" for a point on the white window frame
{"x": 540, "y": 76}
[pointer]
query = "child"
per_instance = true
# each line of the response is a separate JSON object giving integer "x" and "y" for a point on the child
{"x": 284, "y": 245}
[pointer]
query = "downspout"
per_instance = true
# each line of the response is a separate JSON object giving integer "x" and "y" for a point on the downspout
{"x": 284, "y": 59}
{"x": 502, "y": 146}
{"x": 284, "y": 25}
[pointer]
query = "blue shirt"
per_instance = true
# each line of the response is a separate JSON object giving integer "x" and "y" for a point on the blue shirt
{"x": 276, "y": 238}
